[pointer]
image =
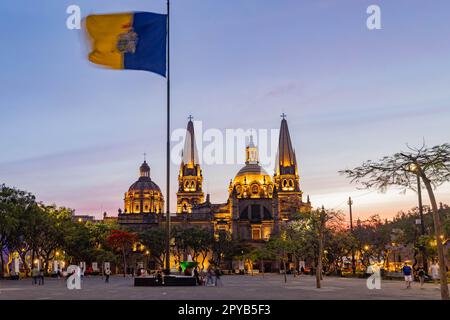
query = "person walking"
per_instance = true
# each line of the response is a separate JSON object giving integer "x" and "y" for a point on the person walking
{"x": 107, "y": 274}
{"x": 407, "y": 274}
{"x": 209, "y": 277}
{"x": 218, "y": 282}
{"x": 421, "y": 275}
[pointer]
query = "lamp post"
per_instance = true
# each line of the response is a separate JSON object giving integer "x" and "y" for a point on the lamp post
{"x": 350, "y": 203}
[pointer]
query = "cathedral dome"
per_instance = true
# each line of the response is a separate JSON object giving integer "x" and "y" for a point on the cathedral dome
{"x": 252, "y": 180}
{"x": 252, "y": 174}
{"x": 144, "y": 196}
{"x": 252, "y": 169}
{"x": 144, "y": 184}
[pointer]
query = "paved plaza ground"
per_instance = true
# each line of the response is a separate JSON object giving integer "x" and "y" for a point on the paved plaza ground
{"x": 234, "y": 287}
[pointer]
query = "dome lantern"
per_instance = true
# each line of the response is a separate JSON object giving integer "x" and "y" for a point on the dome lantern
{"x": 251, "y": 153}
{"x": 145, "y": 170}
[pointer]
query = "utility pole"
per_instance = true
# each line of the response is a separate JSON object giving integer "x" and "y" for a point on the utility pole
{"x": 350, "y": 203}
{"x": 321, "y": 230}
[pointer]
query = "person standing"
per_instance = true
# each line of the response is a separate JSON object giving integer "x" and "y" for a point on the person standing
{"x": 421, "y": 275}
{"x": 209, "y": 277}
{"x": 407, "y": 273}
{"x": 107, "y": 274}
{"x": 218, "y": 282}
{"x": 196, "y": 276}
{"x": 35, "y": 275}
{"x": 434, "y": 268}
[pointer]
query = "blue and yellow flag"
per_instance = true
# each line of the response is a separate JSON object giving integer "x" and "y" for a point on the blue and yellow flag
{"x": 135, "y": 41}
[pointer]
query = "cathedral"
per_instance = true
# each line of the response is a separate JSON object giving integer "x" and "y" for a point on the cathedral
{"x": 257, "y": 203}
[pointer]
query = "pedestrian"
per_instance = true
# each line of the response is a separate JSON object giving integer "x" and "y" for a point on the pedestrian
{"x": 180, "y": 270}
{"x": 407, "y": 273}
{"x": 434, "y": 272}
{"x": 35, "y": 275}
{"x": 159, "y": 277}
{"x": 218, "y": 282}
{"x": 421, "y": 275}
{"x": 209, "y": 277}
{"x": 107, "y": 274}
{"x": 196, "y": 276}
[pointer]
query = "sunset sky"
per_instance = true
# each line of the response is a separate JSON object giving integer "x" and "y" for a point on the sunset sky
{"x": 74, "y": 134}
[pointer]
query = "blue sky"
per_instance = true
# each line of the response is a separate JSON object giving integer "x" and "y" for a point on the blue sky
{"x": 74, "y": 134}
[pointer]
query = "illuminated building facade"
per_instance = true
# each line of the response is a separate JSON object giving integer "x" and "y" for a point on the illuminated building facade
{"x": 257, "y": 205}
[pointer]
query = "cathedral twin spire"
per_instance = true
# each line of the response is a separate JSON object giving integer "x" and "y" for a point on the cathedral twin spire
{"x": 286, "y": 162}
{"x": 190, "y": 154}
{"x": 190, "y": 179}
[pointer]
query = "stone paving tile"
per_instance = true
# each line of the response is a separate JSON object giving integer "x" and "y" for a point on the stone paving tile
{"x": 235, "y": 287}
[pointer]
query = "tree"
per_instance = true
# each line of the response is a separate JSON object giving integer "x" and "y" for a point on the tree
{"x": 15, "y": 205}
{"x": 308, "y": 236}
{"x": 338, "y": 244}
{"x": 371, "y": 238}
{"x": 205, "y": 241}
{"x": 279, "y": 247}
{"x": 261, "y": 254}
{"x": 154, "y": 241}
{"x": 195, "y": 240}
{"x": 55, "y": 223}
{"x": 432, "y": 165}
{"x": 224, "y": 249}
{"x": 122, "y": 241}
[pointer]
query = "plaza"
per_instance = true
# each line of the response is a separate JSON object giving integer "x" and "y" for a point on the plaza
{"x": 235, "y": 287}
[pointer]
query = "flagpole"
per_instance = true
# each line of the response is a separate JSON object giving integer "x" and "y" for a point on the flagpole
{"x": 168, "y": 146}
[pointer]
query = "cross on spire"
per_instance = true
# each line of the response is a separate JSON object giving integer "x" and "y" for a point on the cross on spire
{"x": 283, "y": 115}
{"x": 145, "y": 156}
{"x": 190, "y": 117}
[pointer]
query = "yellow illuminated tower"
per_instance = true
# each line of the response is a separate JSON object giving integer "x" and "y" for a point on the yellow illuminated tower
{"x": 286, "y": 175}
{"x": 190, "y": 179}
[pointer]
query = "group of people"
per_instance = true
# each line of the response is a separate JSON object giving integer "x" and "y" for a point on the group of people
{"x": 38, "y": 276}
{"x": 210, "y": 279}
{"x": 421, "y": 274}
